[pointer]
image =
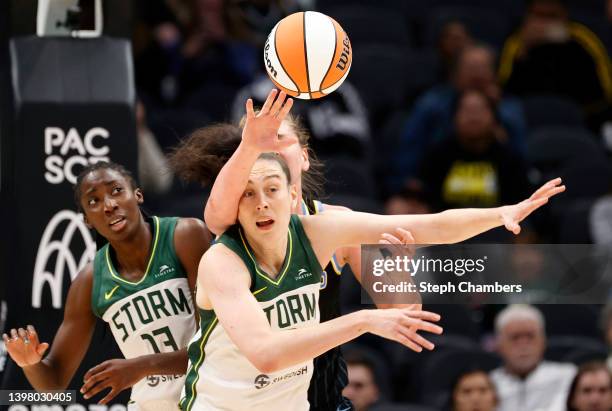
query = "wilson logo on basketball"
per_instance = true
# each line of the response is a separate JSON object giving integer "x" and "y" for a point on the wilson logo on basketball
{"x": 57, "y": 251}
{"x": 269, "y": 65}
{"x": 346, "y": 53}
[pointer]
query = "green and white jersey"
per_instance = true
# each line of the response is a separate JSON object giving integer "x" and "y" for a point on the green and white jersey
{"x": 152, "y": 315}
{"x": 219, "y": 376}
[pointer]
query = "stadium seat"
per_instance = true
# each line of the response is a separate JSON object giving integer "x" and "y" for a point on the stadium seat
{"x": 587, "y": 179}
{"x": 571, "y": 319}
{"x": 423, "y": 68}
{"x": 574, "y": 226}
{"x": 344, "y": 175}
{"x": 551, "y": 110}
{"x": 552, "y": 149}
{"x": 485, "y": 24}
{"x": 574, "y": 349}
{"x": 372, "y": 25}
{"x": 380, "y": 75}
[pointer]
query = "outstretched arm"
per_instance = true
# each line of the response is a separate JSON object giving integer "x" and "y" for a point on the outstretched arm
{"x": 260, "y": 135}
{"x": 69, "y": 345}
{"x": 331, "y": 230}
{"x": 226, "y": 281}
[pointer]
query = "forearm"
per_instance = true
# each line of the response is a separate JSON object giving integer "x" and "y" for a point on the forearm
{"x": 44, "y": 377}
{"x": 296, "y": 346}
{"x": 453, "y": 226}
{"x": 168, "y": 363}
{"x": 222, "y": 206}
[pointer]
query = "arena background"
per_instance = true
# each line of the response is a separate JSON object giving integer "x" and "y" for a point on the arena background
{"x": 68, "y": 101}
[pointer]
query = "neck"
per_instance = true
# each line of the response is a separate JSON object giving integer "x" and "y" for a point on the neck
{"x": 298, "y": 208}
{"x": 132, "y": 253}
{"x": 270, "y": 254}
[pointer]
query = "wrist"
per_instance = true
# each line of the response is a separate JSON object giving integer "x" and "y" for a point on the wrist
{"x": 248, "y": 149}
{"x": 364, "y": 321}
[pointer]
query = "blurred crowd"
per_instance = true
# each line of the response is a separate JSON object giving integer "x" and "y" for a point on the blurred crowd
{"x": 449, "y": 103}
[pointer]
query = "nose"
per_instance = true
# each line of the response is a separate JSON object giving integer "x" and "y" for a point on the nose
{"x": 263, "y": 205}
{"x": 109, "y": 204}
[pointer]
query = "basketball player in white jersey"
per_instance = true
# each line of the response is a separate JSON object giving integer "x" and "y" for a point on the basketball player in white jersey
{"x": 257, "y": 287}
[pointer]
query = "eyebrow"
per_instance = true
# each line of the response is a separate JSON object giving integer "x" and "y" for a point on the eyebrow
{"x": 268, "y": 177}
{"x": 106, "y": 183}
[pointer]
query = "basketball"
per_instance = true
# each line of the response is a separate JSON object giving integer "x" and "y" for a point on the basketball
{"x": 308, "y": 55}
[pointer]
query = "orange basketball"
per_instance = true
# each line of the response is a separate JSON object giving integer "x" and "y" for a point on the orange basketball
{"x": 308, "y": 55}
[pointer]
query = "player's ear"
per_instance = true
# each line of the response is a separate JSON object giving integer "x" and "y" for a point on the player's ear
{"x": 294, "y": 196}
{"x": 305, "y": 159}
{"x": 139, "y": 195}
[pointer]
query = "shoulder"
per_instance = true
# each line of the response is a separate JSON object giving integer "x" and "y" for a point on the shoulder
{"x": 191, "y": 230}
{"x": 222, "y": 263}
{"x": 85, "y": 276}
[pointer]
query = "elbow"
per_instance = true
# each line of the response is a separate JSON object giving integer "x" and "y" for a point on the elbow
{"x": 266, "y": 364}
{"x": 264, "y": 360}
{"x": 215, "y": 220}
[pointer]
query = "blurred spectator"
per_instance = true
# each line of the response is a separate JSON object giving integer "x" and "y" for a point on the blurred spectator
{"x": 600, "y": 221}
{"x": 199, "y": 58}
{"x": 362, "y": 388}
{"x": 591, "y": 389}
{"x": 453, "y": 38}
{"x": 526, "y": 381}
{"x": 471, "y": 168}
{"x": 606, "y": 326}
{"x": 549, "y": 54}
{"x": 431, "y": 119}
{"x": 473, "y": 391}
{"x": 338, "y": 123}
{"x": 153, "y": 172}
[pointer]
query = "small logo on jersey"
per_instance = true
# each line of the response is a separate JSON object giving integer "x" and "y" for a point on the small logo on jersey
{"x": 163, "y": 270}
{"x": 109, "y": 294}
{"x": 152, "y": 380}
{"x": 262, "y": 381}
{"x": 302, "y": 273}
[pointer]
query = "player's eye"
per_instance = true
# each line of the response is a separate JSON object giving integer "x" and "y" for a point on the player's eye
{"x": 248, "y": 194}
{"x": 117, "y": 190}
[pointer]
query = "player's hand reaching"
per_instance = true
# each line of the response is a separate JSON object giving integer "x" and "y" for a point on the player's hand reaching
{"x": 514, "y": 214}
{"x": 402, "y": 325}
{"x": 261, "y": 129}
{"x": 116, "y": 374}
{"x": 23, "y": 346}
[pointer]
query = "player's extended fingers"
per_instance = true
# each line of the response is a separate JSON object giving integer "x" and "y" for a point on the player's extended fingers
{"x": 554, "y": 191}
{"x": 407, "y": 341}
{"x": 95, "y": 370}
{"x": 23, "y": 335}
{"x": 422, "y": 325}
{"x": 278, "y": 104}
{"x": 405, "y": 235}
{"x": 250, "y": 112}
{"x": 422, "y": 341}
{"x": 94, "y": 385}
{"x": 112, "y": 394}
{"x": 5, "y": 338}
{"x": 33, "y": 335}
{"x": 422, "y": 315}
{"x": 545, "y": 187}
{"x": 285, "y": 110}
{"x": 268, "y": 103}
{"x": 14, "y": 335}
{"x": 391, "y": 238}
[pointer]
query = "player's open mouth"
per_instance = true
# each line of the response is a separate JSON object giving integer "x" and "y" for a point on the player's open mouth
{"x": 117, "y": 223}
{"x": 265, "y": 224}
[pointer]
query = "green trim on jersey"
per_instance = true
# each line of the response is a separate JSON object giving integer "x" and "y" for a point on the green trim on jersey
{"x": 108, "y": 285}
{"x": 208, "y": 321}
{"x": 111, "y": 269}
{"x": 258, "y": 269}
